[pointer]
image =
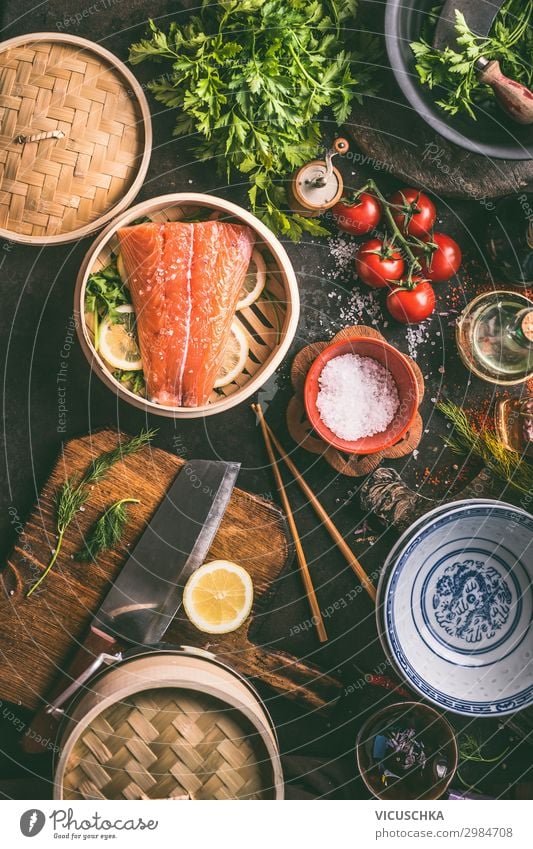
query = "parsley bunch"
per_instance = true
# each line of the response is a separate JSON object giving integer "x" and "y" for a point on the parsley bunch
{"x": 510, "y": 41}
{"x": 251, "y": 77}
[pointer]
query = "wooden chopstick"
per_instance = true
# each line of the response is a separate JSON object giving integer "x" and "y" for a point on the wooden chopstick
{"x": 302, "y": 562}
{"x": 332, "y": 529}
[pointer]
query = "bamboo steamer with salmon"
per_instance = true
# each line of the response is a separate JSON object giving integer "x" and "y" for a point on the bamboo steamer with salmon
{"x": 187, "y": 305}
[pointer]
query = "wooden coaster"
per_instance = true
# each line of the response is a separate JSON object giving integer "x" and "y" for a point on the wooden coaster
{"x": 353, "y": 465}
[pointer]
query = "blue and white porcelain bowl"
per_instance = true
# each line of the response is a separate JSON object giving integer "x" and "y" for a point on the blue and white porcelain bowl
{"x": 457, "y": 605}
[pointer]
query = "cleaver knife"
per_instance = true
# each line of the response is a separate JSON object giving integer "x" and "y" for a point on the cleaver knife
{"x": 148, "y": 591}
{"x": 516, "y": 99}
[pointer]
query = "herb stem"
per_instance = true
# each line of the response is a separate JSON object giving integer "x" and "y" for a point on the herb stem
{"x": 414, "y": 262}
{"x": 49, "y": 567}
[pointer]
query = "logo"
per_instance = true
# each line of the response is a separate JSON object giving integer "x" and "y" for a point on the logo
{"x": 32, "y": 822}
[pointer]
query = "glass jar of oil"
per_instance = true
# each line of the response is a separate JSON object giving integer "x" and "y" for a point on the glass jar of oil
{"x": 495, "y": 337}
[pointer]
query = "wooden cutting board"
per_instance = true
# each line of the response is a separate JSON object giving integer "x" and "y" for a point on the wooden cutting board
{"x": 38, "y": 634}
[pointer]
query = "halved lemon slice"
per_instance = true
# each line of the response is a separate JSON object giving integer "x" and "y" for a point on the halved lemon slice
{"x": 118, "y": 342}
{"x": 254, "y": 282}
{"x": 218, "y": 597}
{"x": 121, "y": 270}
{"x": 235, "y": 356}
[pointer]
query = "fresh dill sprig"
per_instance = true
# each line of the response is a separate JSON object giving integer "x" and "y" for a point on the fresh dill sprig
{"x": 75, "y": 492}
{"x": 506, "y": 464}
{"x": 471, "y": 751}
{"x": 101, "y": 465}
{"x": 107, "y": 531}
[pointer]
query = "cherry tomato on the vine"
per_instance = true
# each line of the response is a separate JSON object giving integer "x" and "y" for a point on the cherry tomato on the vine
{"x": 358, "y": 215}
{"x": 445, "y": 261}
{"x": 409, "y": 306}
{"x": 378, "y": 264}
{"x": 416, "y": 213}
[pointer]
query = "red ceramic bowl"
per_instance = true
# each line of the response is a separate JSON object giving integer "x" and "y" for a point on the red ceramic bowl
{"x": 404, "y": 378}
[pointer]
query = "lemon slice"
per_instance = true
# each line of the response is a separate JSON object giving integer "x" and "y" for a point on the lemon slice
{"x": 121, "y": 269}
{"x": 118, "y": 342}
{"x": 218, "y": 597}
{"x": 235, "y": 356}
{"x": 254, "y": 282}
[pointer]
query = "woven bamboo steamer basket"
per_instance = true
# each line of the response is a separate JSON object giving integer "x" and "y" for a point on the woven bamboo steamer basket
{"x": 168, "y": 724}
{"x": 268, "y": 346}
{"x": 56, "y": 190}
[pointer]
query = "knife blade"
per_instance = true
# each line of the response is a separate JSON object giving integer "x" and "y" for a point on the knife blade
{"x": 514, "y": 97}
{"x": 148, "y": 591}
{"x": 478, "y": 14}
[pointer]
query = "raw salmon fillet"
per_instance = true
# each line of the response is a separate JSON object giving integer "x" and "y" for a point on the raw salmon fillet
{"x": 185, "y": 281}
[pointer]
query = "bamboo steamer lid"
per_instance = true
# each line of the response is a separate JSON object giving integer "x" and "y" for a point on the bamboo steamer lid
{"x": 169, "y": 725}
{"x": 61, "y": 188}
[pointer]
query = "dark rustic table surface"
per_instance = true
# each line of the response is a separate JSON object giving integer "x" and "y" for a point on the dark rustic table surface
{"x": 35, "y": 318}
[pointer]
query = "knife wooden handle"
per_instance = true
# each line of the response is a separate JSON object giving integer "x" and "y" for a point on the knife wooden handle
{"x": 516, "y": 99}
{"x": 40, "y": 736}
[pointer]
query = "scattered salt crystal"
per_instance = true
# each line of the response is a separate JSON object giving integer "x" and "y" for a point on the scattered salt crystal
{"x": 442, "y": 370}
{"x": 417, "y": 335}
{"x": 362, "y": 306}
{"x": 416, "y": 452}
{"x": 342, "y": 250}
{"x": 358, "y": 396}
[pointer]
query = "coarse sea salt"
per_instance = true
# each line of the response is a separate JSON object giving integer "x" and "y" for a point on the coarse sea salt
{"x": 357, "y": 396}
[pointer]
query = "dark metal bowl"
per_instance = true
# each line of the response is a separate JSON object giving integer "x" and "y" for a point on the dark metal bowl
{"x": 493, "y": 134}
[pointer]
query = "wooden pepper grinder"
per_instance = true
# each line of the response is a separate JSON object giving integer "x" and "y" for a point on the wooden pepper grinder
{"x": 317, "y": 185}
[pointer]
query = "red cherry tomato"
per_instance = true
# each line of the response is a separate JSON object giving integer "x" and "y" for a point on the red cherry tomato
{"x": 416, "y": 212}
{"x": 409, "y": 306}
{"x": 357, "y": 216}
{"x": 445, "y": 261}
{"x": 378, "y": 264}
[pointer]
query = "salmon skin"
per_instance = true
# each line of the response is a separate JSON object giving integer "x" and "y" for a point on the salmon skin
{"x": 185, "y": 281}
